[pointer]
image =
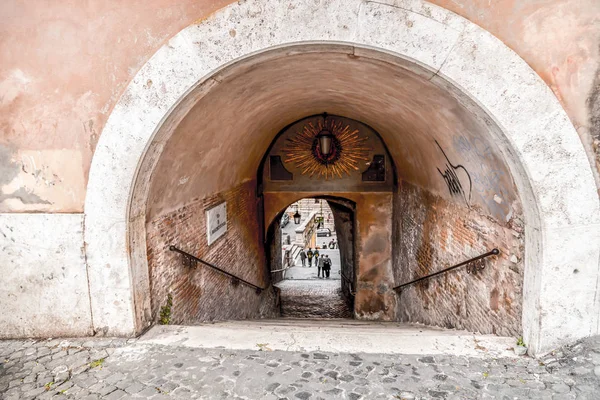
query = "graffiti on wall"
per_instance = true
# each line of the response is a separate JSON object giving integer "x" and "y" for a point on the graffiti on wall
{"x": 457, "y": 178}
{"x": 488, "y": 177}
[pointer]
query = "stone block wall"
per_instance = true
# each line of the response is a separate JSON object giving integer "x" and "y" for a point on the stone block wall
{"x": 344, "y": 226}
{"x": 202, "y": 294}
{"x": 309, "y": 205}
{"x": 275, "y": 252}
{"x": 44, "y": 278}
{"x": 432, "y": 234}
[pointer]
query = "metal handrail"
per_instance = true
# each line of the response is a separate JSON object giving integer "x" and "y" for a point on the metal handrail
{"x": 345, "y": 277}
{"x": 349, "y": 281}
{"x": 283, "y": 269}
{"x": 493, "y": 252}
{"x": 234, "y": 279}
{"x": 279, "y": 270}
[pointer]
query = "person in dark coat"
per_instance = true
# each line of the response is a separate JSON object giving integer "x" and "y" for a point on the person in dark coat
{"x": 309, "y": 255}
{"x": 326, "y": 266}
{"x": 321, "y": 267}
{"x": 303, "y": 257}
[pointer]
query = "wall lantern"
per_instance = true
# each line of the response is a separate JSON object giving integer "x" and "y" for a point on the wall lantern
{"x": 325, "y": 137}
{"x": 297, "y": 217}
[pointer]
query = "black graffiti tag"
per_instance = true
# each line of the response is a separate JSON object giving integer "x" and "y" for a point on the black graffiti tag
{"x": 452, "y": 180}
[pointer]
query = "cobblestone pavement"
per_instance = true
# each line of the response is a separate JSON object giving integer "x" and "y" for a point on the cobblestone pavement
{"x": 118, "y": 369}
{"x": 313, "y": 299}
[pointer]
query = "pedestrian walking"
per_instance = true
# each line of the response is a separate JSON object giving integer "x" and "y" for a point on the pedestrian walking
{"x": 316, "y": 256}
{"x": 303, "y": 257}
{"x": 309, "y": 255}
{"x": 320, "y": 267}
{"x": 326, "y": 266}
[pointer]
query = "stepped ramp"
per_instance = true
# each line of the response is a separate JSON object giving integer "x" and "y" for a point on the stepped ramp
{"x": 313, "y": 299}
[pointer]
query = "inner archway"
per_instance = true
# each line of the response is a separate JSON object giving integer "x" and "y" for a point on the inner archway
{"x": 311, "y": 258}
{"x": 360, "y": 180}
{"x": 130, "y": 153}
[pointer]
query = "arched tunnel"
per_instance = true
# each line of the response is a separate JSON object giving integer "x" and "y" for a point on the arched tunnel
{"x": 448, "y": 190}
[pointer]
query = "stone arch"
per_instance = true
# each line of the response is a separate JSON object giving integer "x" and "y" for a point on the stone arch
{"x": 342, "y": 203}
{"x": 542, "y": 148}
{"x": 343, "y": 212}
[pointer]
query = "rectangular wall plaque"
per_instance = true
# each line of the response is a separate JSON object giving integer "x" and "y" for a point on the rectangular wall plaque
{"x": 216, "y": 222}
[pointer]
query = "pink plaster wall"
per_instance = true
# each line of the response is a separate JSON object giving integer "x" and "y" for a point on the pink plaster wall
{"x": 64, "y": 64}
{"x": 560, "y": 40}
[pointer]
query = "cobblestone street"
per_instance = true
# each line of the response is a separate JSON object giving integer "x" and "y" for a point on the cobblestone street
{"x": 120, "y": 369}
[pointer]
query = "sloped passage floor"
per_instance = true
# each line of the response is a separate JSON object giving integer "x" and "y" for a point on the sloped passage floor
{"x": 337, "y": 336}
{"x": 313, "y": 299}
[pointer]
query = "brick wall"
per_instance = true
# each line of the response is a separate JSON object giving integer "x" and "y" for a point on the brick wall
{"x": 201, "y": 294}
{"x": 431, "y": 234}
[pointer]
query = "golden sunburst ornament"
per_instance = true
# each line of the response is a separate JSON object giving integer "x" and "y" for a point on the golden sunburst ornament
{"x": 345, "y": 149}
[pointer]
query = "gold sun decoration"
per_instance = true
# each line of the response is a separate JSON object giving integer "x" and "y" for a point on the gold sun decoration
{"x": 303, "y": 150}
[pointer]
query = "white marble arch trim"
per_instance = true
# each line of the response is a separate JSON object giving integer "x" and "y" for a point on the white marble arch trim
{"x": 541, "y": 140}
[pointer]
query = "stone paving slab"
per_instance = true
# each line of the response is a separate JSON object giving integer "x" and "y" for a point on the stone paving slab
{"x": 317, "y": 287}
{"x": 119, "y": 369}
{"x": 337, "y": 336}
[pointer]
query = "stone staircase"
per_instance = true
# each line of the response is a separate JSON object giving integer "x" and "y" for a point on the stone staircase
{"x": 313, "y": 299}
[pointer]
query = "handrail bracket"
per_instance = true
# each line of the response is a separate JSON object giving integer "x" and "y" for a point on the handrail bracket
{"x": 188, "y": 261}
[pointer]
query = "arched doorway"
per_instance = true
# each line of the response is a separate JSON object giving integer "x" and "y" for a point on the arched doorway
{"x": 361, "y": 176}
{"x": 511, "y": 105}
{"x": 323, "y": 228}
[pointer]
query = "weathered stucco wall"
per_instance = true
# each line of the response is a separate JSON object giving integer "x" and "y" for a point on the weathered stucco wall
{"x": 560, "y": 40}
{"x": 202, "y": 294}
{"x": 63, "y": 67}
{"x": 43, "y": 275}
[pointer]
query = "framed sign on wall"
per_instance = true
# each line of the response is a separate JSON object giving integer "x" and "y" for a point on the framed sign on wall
{"x": 216, "y": 222}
